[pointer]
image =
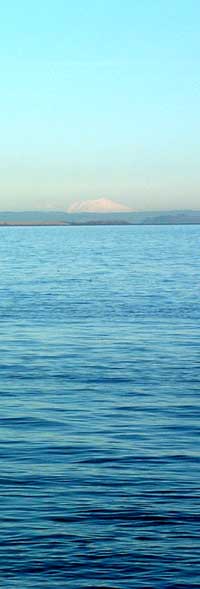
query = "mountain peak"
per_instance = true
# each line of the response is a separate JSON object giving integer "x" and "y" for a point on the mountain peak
{"x": 100, "y": 205}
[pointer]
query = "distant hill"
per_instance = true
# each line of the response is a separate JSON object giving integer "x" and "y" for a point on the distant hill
{"x": 99, "y": 218}
{"x": 173, "y": 218}
{"x": 101, "y": 205}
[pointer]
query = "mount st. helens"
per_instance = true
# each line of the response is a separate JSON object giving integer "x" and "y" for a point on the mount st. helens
{"x": 100, "y": 205}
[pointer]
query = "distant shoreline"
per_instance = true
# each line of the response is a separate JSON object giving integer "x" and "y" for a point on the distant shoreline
{"x": 31, "y": 223}
{"x": 61, "y": 223}
{"x": 63, "y": 219}
{"x": 4, "y": 224}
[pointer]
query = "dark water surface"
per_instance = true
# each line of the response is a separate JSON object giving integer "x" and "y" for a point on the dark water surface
{"x": 99, "y": 407}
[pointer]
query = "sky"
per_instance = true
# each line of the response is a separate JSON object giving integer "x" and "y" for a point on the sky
{"x": 100, "y": 98}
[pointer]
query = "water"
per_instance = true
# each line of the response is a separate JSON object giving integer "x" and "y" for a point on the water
{"x": 99, "y": 407}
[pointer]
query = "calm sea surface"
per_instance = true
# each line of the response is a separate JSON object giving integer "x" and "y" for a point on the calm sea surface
{"x": 99, "y": 407}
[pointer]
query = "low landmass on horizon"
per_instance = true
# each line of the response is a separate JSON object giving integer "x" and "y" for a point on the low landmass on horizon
{"x": 83, "y": 217}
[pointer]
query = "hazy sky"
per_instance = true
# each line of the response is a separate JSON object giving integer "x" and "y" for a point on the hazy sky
{"x": 100, "y": 98}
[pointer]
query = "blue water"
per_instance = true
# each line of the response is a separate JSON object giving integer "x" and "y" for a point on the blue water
{"x": 99, "y": 407}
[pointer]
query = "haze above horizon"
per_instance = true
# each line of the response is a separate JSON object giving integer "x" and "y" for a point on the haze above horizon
{"x": 100, "y": 100}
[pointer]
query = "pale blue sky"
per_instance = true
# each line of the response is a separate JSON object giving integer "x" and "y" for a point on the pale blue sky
{"x": 100, "y": 98}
